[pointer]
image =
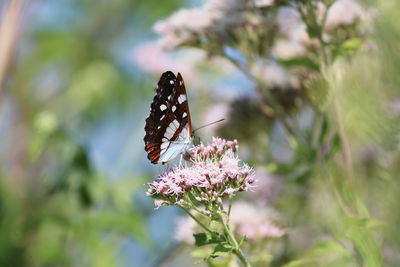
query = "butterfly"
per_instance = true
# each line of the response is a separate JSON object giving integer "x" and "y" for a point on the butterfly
{"x": 168, "y": 128}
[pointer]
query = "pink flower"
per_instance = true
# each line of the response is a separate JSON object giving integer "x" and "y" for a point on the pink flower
{"x": 254, "y": 221}
{"x": 230, "y": 162}
{"x": 151, "y": 58}
{"x": 212, "y": 170}
{"x": 228, "y": 191}
{"x": 185, "y": 228}
{"x": 343, "y": 13}
{"x": 267, "y": 187}
{"x": 159, "y": 203}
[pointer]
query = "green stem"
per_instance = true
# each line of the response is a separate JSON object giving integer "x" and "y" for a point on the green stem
{"x": 325, "y": 61}
{"x": 294, "y": 131}
{"x": 344, "y": 142}
{"x": 199, "y": 222}
{"x": 229, "y": 210}
{"x": 232, "y": 240}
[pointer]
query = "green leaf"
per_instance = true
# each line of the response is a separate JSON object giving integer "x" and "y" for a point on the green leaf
{"x": 207, "y": 238}
{"x": 301, "y": 262}
{"x": 312, "y": 32}
{"x": 348, "y": 47}
{"x": 325, "y": 253}
{"x": 328, "y": 247}
{"x": 220, "y": 249}
{"x": 300, "y": 62}
{"x": 317, "y": 91}
{"x": 244, "y": 239}
{"x": 358, "y": 232}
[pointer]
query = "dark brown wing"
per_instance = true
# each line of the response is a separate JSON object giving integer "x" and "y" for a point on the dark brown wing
{"x": 169, "y": 114}
{"x": 183, "y": 105}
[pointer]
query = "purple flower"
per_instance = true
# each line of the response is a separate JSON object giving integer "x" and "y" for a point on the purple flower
{"x": 214, "y": 171}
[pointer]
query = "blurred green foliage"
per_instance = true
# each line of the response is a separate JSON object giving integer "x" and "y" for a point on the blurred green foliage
{"x": 56, "y": 207}
{"x": 72, "y": 73}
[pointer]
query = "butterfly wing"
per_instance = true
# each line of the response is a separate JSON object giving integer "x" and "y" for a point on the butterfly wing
{"x": 168, "y": 127}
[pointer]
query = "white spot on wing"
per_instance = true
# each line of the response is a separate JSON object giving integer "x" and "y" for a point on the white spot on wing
{"x": 162, "y": 117}
{"x": 170, "y": 152}
{"x": 163, "y": 107}
{"x": 169, "y": 133}
{"x": 164, "y": 145}
{"x": 184, "y": 115}
{"x": 181, "y": 99}
{"x": 176, "y": 123}
{"x": 173, "y": 108}
{"x": 171, "y": 129}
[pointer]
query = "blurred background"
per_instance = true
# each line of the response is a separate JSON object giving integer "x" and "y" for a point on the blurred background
{"x": 310, "y": 89}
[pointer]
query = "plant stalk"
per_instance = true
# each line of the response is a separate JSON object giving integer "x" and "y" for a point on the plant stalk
{"x": 231, "y": 238}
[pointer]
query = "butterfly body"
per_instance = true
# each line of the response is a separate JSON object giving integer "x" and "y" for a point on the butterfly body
{"x": 168, "y": 128}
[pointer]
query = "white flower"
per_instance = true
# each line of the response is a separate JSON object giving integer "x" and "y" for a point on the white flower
{"x": 273, "y": 74}
{"x": 342, "y": 13}
{"x": 182, "y": 26}
{"x": 187, "y": 25}
{"x": 224, "y": 6}
{"x": 185, "y": 19}
{"x": 288, "y": 49}
{"x": 294, "y": 31}
{"x": 264, "y": 3}
{"x": 288, "y": 19}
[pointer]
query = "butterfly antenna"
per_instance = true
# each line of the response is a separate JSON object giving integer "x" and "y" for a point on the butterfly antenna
{"x": 208, "y": 124}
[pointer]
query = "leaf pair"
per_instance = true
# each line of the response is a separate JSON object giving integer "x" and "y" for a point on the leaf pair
{"x": 207, "y": 238}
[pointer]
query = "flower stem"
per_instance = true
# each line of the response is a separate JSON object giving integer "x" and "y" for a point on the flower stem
{"x": 326, "y": 61}
{"x": 232, "y": 240}
{"x": 345, "y": 145}
{"x": 199, "y": 222}
{"x": 229, "y": 210}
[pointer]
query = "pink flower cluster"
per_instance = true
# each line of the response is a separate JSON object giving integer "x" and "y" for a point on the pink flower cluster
{"x": 214, "y": 171}
{"x": 189, "y": 26}
{"x": 217, "y": 148}
{"x": 254, "y": 222}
